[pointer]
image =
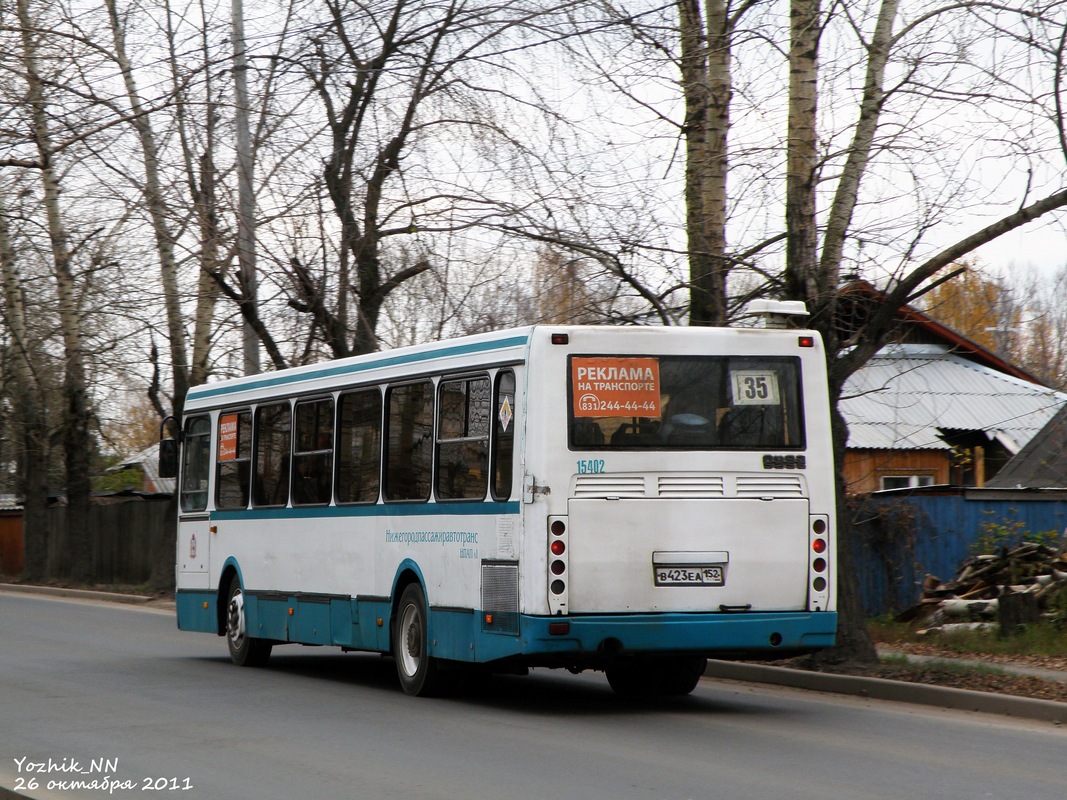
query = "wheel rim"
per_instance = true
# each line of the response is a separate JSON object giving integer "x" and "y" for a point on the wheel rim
{"x": 411, "y": 640}
{"x": 235, "y": 620}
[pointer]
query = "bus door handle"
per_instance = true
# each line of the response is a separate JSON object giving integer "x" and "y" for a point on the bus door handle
{"x": 731, "y": 609}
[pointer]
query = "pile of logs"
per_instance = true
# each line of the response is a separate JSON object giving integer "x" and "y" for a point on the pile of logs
{"x": 1006, "y": 589}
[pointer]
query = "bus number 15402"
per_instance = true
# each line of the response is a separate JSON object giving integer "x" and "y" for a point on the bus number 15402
{"x": 590, "y": 466}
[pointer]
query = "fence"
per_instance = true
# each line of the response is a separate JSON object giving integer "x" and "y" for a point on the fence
{"x": 902, "y": 538}
{"x": 132, "y": 542}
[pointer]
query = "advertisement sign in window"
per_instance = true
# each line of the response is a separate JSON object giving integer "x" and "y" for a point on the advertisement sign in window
{"x": 613, "y": 386}
{"x": 228, "y": 437}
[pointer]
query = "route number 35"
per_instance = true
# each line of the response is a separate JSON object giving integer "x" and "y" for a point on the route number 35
{"x": 755, "y": 387}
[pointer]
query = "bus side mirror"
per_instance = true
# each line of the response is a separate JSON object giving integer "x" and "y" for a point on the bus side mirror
{"x": 168, "y": 458}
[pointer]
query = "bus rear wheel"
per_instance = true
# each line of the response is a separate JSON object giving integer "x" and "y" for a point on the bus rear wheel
{"x": 671, "y": 676}
{"x": 419, "y": 674}
{"x": 245, "y": 650}
{"x": 680, "y": 676}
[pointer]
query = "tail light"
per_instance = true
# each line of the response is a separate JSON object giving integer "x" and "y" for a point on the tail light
{"x": 819, "y": 564}
{"x": 558, "y": 565}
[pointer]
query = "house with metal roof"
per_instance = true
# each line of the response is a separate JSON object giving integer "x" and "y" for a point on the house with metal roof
{"x": 146, "y": 463}
{"x": 935, "y": 408}
{"x": 1042, "y": 463}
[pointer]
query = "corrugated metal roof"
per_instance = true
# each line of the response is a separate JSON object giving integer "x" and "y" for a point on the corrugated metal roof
{"x": 1042, "y": 463}
{"x": 906, "y": 395}
{"x": 148, "y": 459}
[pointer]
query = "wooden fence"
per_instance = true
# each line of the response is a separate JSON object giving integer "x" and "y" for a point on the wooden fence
{"x": 132, "y": 542}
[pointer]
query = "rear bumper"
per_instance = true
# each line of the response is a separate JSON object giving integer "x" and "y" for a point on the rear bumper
{"x": 748, "y": 634}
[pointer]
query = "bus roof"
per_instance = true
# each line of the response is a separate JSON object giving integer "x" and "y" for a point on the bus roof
{"x": 508, "y": 344}
{"x": 505, "y": 346}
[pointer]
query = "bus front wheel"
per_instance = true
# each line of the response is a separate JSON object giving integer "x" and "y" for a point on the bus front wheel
{"x": 245, "y": 650}
{"x": 419, "y": 674}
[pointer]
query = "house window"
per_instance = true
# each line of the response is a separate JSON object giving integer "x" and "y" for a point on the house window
{"x": 906, "y": 481}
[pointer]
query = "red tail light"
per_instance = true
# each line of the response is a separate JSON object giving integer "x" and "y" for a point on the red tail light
{"x": 558, "y": 566}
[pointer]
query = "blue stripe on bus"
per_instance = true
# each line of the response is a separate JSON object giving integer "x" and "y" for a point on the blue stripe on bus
{"x": 379, "y": 510}
{"x": 351, "y": 623}
{"x": 749, "y": 632}
{"x": 281, "y": 379}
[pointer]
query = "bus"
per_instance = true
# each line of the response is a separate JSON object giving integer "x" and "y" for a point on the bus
{"x": 632, "y": 500}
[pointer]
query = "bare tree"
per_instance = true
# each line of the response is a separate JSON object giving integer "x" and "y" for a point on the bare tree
{"x": 158, "y": 213}
{"x": 873, "y": 168}
{"x": 77, "y": 437}
{"x": 395, "y": 80}
{"x": 201, "y": 221}
{"x": 32, "y": 449}
{"x": 706, "y": 68}
{"x": 814, "y": 275}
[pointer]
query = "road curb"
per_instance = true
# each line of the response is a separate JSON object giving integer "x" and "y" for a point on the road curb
{"x": 82, "y": 594}
{"x": 897, "y": 691}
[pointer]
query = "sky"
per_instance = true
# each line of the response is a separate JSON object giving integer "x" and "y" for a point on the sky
{"x": 1041, "y": 246}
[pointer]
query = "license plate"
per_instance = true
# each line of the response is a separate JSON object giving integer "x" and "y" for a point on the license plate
{"x": 689, "y": 575}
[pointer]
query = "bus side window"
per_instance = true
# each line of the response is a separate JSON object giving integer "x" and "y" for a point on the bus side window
{"x": 196, "y": 463}
{"x": 359, "y": 446}
{"x": 503, "y": 434}
{"x": 234, "y": 459}
{"x": 463, "y": 440}
{"x": 313, "y": 456}
{"x": 274, "y": 425}
{"x": 409, "y": 442}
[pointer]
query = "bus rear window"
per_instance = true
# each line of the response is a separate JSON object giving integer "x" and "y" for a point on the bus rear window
{"x": 685, "y": 403}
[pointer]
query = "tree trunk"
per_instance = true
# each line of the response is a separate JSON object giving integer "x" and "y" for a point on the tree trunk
{"x": 853, "y": 642}
{"x": 805, "y": 281}
{"x": 802, "y": 155}
{"x": 707, "y": 88}
{"x": 246, "y": 202}
{"x": 157, "y": 211}
{"x": 200, "y": 174}
{"x": 210, "y": 264}
{"x": 859, "y": 153}
{"x": 32, "y": 459}
{"x": 77, "y": 441}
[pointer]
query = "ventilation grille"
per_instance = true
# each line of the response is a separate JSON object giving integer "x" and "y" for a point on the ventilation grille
{"x": 609, "y": 486}
{"x": 682, "y": 486}
{"x": 500, "y": 598}
{"x": 769, "y": 486}
{"x": 691, "y": 486}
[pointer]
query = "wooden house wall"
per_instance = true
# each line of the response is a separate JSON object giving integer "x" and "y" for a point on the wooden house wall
{"x": 864, "y": 469}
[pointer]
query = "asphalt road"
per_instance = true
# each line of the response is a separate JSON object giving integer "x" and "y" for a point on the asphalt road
{"x": 99, "y": 692}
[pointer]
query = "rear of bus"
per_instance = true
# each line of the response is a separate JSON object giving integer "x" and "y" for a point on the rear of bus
{"x": 679, "y": 499}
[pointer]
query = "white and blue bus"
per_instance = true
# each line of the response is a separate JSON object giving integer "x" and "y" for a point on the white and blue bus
{"x": 632, "y": 500}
